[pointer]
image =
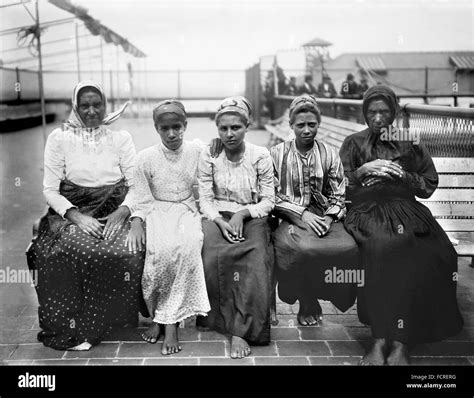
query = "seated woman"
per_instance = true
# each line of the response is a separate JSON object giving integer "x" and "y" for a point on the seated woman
{"x": 236, "y": 195}
{"x": 311, "y": 245}
{"x": 409, "y": 296}
{"x": 87, "y": 279}
{"x": 173, "y": 281}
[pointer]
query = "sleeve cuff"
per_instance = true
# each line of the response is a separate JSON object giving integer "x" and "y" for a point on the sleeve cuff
{"x": 336, "y": 212}
{"x": 62, "y": 212}
{"x": 139, "y": 214}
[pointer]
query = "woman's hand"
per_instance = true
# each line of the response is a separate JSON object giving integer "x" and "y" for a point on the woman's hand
{"x": 227, "y": 231}
{"x": 114, "y": 221}
{"x": 136, "y": 238}
{"x": 216, "y": 147}
{"x": 88, "y": 224}
{"x": 320, "y": 225}
{"x": 237, "y": 224}
{"x": 381, "y": 168}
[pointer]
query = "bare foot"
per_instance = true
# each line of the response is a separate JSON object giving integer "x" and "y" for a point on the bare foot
{"x": 376, "y": 355}
{"x": 239, "y": 348}
{"x": 152, "y": 334}
{"x": 202, "y": 324}
{"x": 171, "y": 342}
{"x": 399, "y": 355}
{"x": 81, "y": 347}
{"x": 309, "y": 314}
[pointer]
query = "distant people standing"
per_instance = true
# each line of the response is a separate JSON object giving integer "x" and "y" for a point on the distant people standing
{"x": 269, "y": 94}
{"x": 363, "y": 87}
{"x": 349, "y": 88}
{"x": 326, "y": 89}
{"x": 282, "y": 85}
{"x": 292, "y": 88}
{"x": 307, "y": 87}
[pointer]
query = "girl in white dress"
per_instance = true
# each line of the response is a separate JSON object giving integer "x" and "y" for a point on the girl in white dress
{"x": 173, "y": 280}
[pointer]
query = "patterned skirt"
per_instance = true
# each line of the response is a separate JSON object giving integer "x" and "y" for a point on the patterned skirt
{"x": 85, "y": 285}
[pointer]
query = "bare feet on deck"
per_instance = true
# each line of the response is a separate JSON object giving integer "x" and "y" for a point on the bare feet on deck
{"x": 376, "y": 355}
{"x": 171, "y": 343}
{"x": 239, "y": 348}
{"x": 81, "y": 347}
{"x": 309, "y": 314}
{"x": 399, "y": 355}
{"x": 152, "y": 334}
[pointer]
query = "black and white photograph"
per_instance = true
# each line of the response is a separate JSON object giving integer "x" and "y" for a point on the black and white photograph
{"x": 188, "y": 186}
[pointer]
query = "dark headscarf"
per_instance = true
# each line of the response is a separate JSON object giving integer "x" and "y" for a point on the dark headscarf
{"x": 386, "y": 94}
{"x": 304, "y": 103}
{"x": 380, "y": 92}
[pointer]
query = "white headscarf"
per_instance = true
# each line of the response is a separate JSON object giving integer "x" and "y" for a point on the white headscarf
{"x": 75, "y": 121}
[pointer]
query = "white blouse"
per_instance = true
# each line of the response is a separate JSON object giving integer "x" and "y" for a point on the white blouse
{"x": 86, "y": 158}
{"x": 234, "y": 186}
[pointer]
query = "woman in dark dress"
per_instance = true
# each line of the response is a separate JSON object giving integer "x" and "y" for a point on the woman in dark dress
{"x": 87, "y": 278}
{"x": 409, "y": 296}
{"x": 237, "y": 193}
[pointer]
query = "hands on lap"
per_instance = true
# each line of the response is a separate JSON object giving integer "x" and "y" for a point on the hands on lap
{"x": 380, "y": 170}
{"x": 320, "y": 225}
{"x": 233, "y": 231}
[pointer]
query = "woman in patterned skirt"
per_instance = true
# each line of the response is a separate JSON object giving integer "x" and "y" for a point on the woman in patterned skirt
{"x": 87, "y": 280}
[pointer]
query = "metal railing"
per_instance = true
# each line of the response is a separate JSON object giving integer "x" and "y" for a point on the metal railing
{"x": 445, "y": 131}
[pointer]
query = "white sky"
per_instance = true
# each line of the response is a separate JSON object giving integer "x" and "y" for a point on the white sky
{"x": 218, "y": 34}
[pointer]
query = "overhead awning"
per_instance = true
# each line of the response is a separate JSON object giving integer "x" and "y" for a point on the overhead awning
{"x": 463, "y": 62}
{"x": 96, "y": 28}
{"x": 372, "y": 63}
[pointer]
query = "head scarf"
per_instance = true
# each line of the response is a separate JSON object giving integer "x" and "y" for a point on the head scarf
{"x": 236, "y": 104}
{"x": 75, "y": 121}
{"x": 307, "y": 103}
{"x": 370, "y": 150}
{"x": 169, "y": 106}
{"x": 380, "y": 92}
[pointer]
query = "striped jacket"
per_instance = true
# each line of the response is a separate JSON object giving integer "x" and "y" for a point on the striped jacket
{"x": 308, "y": 182}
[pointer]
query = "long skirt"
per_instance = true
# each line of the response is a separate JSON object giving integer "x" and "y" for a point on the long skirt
{"x": 238, "y": 279}
{"x": 173, "y": 281}
{"x": 84, "y": 285}
{"x": 309, "y": 267}
{"x": 410, "y": 270}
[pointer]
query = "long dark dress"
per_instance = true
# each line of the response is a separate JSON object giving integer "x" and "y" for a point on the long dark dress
{"x": 238, "y": 280}
{"x": 85, "y": 285}
{"x": 410, "y": 285}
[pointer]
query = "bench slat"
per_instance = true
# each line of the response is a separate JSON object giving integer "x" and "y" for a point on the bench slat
{"x": 456, "y": 225}
{"x": 451, "y": 195}
{"x": 454, "y": 165}
{"x": 450, "y": 209}
{"x": 355, "y": 127}
{"x": 456, "y": 181}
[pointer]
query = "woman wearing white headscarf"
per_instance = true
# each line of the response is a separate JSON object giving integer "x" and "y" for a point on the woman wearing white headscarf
{"x": 87, "y": 279}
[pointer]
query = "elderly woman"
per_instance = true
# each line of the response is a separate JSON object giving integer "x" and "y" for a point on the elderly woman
{"x": 173, "y": 281}
{"x": 409, "y": 296}
{"x": 311, "y": 245}
{"x": 236, "y": 195}
{"x": 87, "y": 279}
